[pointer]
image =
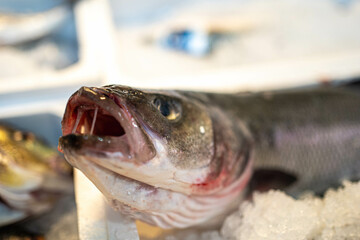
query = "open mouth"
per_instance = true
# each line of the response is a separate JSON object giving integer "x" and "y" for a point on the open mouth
{"x": 101, "y": 123}
{"x": 88, "y": 116}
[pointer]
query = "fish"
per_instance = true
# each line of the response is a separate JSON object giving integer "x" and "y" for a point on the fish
{"x": 33, "y": 175}
{"x": 17, "y": 28}
{"x": 177, "y": 159}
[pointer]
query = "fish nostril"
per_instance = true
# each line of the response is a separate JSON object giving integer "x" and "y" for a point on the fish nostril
{"x": 103, "y": 93}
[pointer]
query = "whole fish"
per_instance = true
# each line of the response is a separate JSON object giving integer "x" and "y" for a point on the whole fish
{"x": 177, "y": 159}
{"x": 32, "y": 175}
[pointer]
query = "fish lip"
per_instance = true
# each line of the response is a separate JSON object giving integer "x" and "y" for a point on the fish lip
{"x": 134, "y": 144}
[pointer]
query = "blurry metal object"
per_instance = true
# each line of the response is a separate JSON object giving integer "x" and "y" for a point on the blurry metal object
{"x": 16, "y": 28}
{"x": 32, "y": 175}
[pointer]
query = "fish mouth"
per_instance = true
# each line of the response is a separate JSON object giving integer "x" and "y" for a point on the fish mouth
{"x": 100, "y": 123}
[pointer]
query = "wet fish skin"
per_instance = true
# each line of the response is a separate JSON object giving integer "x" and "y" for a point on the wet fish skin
{"x": 311, "y": 133}
{"x": 206, "y": 150}
{"x": 32, "y": 175}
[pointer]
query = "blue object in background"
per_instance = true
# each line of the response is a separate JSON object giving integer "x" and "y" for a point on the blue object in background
{"x": 196, "y": 43}
{"x": 344, "y": 3}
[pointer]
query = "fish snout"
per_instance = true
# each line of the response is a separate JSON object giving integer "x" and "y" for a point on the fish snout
{"x": 70, "y": 141}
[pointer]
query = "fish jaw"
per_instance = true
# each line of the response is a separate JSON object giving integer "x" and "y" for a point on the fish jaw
{"x": 158, "y": 206}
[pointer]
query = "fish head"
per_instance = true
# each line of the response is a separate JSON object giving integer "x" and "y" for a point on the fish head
{"x": 153, "y": 154}
{"x": 32, "y": 175}
{"x": 32, "y": 152}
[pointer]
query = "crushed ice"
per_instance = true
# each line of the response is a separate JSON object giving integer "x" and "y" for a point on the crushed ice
{"x": 274, "y": 215}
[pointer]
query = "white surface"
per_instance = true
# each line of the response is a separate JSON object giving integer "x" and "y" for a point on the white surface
{"x": 95, "y": 218}
{"x": 282, "y": 74}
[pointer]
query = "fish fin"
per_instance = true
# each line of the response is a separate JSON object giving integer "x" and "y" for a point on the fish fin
{"x": 266, "y": 179}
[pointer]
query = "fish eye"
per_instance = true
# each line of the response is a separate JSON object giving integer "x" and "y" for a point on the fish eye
{"x": 169, "y": 109}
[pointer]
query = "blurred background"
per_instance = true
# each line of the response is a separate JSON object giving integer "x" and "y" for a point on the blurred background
{"x": 48, "y": 49}
{"x": 229, "y": 45}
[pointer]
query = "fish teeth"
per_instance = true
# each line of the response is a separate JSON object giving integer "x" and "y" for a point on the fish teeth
{"x": 78, "y": 118}
{"x": 94, "y": 120}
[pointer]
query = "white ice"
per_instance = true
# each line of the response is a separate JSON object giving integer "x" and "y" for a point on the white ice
{"x": 274, "y": 215}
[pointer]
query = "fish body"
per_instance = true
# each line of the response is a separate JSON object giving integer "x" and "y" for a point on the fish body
{"x": 32, "y": 175}
{"x": 312, "y": 133}
{"x": 177, "y": 159}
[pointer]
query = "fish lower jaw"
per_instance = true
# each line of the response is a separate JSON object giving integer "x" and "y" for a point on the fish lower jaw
{"x": 158, "y": 206}
{"x": 168, "y": 209}
{"x": 150, "y": 173}
{"x": 119, "y": 148}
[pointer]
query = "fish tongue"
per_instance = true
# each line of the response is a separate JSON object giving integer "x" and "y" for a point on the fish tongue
{"x": 115, "y": 145}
